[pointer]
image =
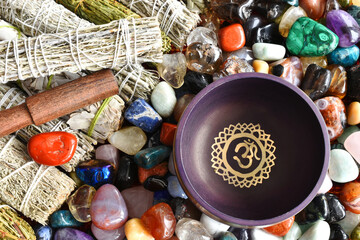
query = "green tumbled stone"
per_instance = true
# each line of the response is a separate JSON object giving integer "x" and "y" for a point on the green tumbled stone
{"x": 309, "y": 38}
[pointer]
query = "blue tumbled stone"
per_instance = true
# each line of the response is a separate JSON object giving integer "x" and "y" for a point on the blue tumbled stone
{"x": 63, "y": 218}
{"x": 175, "y": 188}
{"x": 344, "y": 56}
{"x": 96, "y": 172}
{"x": 162, "y": 196}
{"x": 142, "y": 115}
{"x": 150, "y": 157}
{"x": 43, "y": 232}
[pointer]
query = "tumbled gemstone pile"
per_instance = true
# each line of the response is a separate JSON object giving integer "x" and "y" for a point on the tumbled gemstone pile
{"x": 130, "y": 190}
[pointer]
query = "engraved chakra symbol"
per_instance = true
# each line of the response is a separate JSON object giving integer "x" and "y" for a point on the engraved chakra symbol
{"x": 243, "y": 155}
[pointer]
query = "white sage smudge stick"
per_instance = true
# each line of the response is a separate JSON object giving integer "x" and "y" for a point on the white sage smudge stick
{"x": 100, "y": 119}
{"x": 175, "y": 19}
{"x": 111, "y": 45}
{"x": 13, "y": 96}
{"x": 12, "y": 226}
{"x": 35, "y": 17}
{"x": 135, "y": 81}
{"x": 35, "y": 190}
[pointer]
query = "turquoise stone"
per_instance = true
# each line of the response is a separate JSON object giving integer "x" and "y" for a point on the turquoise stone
{"x": 344, "y": 56}
{"x": 309, "y": 38}
{"x": 63, "y": 218}
{"x": 228, "y": 236}
{"x": 151, "y": 157}
{"x": 347, "y": 132}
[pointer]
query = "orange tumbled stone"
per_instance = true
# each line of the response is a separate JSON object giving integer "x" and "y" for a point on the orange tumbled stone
{"x": 232, "y": 38}
{"x": 281, "y": 229}
{"x": 52, "y": 148}
{"x": 160, "y": 221}
{"x": 167, "y": 134}
{"x": 159, "y": 170}
{"x": 314, "y": 8}
{"x": 350, "y": 197}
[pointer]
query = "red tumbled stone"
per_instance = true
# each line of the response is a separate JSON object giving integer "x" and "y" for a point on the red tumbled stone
{"x": 160, "y": 221}
{"x": 232, "y": 38}
{"x": 159, "y": 170}
{"x": 281, "y": 229}
{"x": 167, "y": 133}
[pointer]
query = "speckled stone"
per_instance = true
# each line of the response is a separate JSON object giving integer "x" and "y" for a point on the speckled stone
{"x": 142, "y": 115}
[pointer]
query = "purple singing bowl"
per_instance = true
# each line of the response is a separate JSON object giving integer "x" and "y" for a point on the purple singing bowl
{"x": 251, "y": 150}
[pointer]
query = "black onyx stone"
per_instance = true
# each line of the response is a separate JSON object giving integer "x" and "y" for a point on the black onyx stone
{"x": 183, "y": 90}
{"x": 184, "y": 208}
{"x": 250, "y": 27}
{"x": 277, "y": 70}
{"x": 337, "y": 233}
{"x": 155, "y": 183}
{"x": 271, "y": 9}
{"x": 316, "y": 81}
{"x": 353, "y": 78}
{"x": 268, "y": 34}
{"x": 240, "y": 233}
{"x": 154, "y": 139}
{"x": 127, "y": 175}
{"x": 337, "y": 210}
{"x": 197, "y": 81}
{"x": 318, "y": 209}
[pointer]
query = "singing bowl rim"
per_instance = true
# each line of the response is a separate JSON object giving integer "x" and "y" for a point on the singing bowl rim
{"x": 191, "y": 192}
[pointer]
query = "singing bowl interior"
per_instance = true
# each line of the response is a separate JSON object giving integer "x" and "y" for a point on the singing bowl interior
{"x": 296, "y": 128}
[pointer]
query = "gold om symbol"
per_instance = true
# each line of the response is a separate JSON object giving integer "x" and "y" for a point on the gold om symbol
{"x": 250, "y": 152}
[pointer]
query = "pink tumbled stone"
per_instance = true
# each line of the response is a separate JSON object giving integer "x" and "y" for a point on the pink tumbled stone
{"x": 108, "y": 209}
{"x": 326, "y": 186}
{"x": 109, "y": 153}
{"x": 117, "y": 234}
{"x": 352, "y": 145}
{"x": 138, "y": 200}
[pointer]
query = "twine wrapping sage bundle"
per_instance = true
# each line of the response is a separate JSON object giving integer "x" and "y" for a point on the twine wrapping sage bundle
{"x": 12, "y": 226}
{"x": 175, "y": 19}
{"x": 35, "y": 17}
{"x": 111, "y": 45}
{"x": 105, "y": 11}
{"x": 13, "y": 96}
{"x": 35, "y": 190}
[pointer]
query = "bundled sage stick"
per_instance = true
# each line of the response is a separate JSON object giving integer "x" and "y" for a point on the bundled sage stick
{"x": 35, "y": 17}
{"x": 175, "y": 19}
{"x": 105, "y": 11}
{"x": 12, "y": 226}
{"x": 112, "y": 45}
{"x": 13, "y": 96}
{"x": 35, "y": 190}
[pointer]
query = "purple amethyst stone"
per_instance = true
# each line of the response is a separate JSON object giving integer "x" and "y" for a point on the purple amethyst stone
{"x": 344, "y": 26}
{"x": 71, "y": 234}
